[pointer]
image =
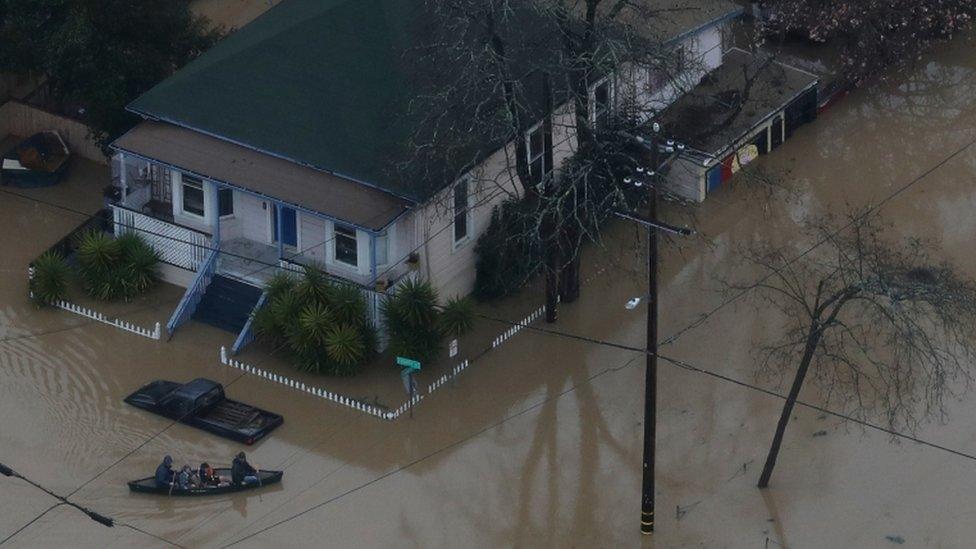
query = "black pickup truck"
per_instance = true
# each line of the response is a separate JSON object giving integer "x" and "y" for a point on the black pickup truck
{"x": 201, "y": 403}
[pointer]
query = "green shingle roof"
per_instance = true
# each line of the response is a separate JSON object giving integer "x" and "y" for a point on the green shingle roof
{"x": 323, "y": 83}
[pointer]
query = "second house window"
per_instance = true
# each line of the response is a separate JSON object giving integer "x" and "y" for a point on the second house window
{"x": 226, "y": 197}
{"x": 346, "y": 248}
{"x": 193, "y": 196}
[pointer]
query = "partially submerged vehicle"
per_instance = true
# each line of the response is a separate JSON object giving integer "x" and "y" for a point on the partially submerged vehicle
{"x": 38, "y": 161}
{"x": 148, "y": 485}
{"x": 201, "y": 403}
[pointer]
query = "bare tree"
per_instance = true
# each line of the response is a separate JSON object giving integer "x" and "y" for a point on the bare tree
{"x": 494, "y": 68}
{"x": 886, "y": 329}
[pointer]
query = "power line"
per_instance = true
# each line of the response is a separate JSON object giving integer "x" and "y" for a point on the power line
{"x": 424, "y": 458}
{"x": 871, "y": 210}
{"x": 672, "y": 361}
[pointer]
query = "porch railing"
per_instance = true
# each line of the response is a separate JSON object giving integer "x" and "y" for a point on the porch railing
{"x": 194, "y": 293}
{"x": 247, "y": 333}
{"x": 176, "y": 245}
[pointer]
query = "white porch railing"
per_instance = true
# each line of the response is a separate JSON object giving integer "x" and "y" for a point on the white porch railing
{"x": 194, "y": 293}
{"x": 176, "y": 245}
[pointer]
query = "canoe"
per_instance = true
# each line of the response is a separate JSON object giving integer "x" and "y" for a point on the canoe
{"x": 148, "y": 485}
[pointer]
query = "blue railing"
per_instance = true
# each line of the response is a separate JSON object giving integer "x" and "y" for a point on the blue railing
{"x": 247, "y": 333}
{"x": 194, "y": 293}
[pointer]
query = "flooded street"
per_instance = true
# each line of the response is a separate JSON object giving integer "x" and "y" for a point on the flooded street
{"x": 539, "y": 443}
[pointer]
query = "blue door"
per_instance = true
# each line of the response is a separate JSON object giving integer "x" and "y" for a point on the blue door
{"x": 289, "y": 226}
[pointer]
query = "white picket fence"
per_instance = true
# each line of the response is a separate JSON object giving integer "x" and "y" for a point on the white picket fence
{"x": 368, "y": 408}
{"x": 314, "y": 391}
{"x": 154, "y": 333}
{"x": 509, "y": 333}
{"x": 502, "y": 338}
{"x": 439, "y": 382}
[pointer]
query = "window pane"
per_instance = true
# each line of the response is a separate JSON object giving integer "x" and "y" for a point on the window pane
{"x": 602, "y": 96}
{"x": 461, "y": 210}
{"x": 535, "y": 143}
{"x": 193, "y": 196}
{"x": 226, "y": 201}
{"x": 346, "y": 249}
{"x": 382, "y": 249}
{"x": 535, "y": 171}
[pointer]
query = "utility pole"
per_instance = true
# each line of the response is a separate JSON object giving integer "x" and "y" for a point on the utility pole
{"x": 650, "y": 375}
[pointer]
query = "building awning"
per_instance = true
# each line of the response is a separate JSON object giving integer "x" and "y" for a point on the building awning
{"x": 733, "y": 100}
{"x": 279, "y": 179}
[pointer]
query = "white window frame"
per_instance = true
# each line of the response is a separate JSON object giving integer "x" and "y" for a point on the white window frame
{"x": 335, "y": 247}
{"x": 383, "y": 237}
{"x": 530, "y": 157}
{"x": 610, "y": 97}
{"x": 203, "y": 191}
{"x": 469, "y": 226}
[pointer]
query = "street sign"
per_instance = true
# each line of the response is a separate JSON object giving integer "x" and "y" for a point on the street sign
{"x": 408, "y": 362}
{"x": 454, "y": 348}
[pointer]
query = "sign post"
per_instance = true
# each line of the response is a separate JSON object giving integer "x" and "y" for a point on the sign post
{"x": 409, "y": 383}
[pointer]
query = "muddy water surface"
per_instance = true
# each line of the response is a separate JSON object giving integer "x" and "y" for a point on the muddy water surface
{"x": 539, "y": 442}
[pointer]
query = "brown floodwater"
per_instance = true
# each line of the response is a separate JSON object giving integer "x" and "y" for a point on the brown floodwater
{"x": 539, "y": 442}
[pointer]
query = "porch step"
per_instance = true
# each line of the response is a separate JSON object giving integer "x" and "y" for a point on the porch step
{"x": 227, "y": 304}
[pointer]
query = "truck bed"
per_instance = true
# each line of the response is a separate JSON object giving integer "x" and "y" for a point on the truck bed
{"x": 226, "y": 418}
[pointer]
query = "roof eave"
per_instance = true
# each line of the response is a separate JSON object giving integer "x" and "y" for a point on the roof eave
{"x": 728, "y": 16}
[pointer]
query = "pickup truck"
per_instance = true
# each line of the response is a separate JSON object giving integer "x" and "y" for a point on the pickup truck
{"x": 201, "y": 403}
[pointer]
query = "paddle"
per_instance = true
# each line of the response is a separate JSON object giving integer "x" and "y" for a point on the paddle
{"x": 171, "y": 484}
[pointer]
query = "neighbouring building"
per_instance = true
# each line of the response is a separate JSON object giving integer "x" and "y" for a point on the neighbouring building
{"x": 271, "y": 150}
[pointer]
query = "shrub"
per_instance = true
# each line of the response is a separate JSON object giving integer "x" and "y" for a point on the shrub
{"x": 417, "y": 325}
{"x": 321, "y": 323}
{"x": 116, "y": 268}
{"x": 508, "y": 253}
{"x": 457, "y": 317}
{"x": 50, "y": 281}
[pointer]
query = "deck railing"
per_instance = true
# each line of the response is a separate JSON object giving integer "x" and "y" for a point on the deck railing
{"x": 247, "y": 333}
{"x": 194, "y": 293}
{"x": 176, "y": 245}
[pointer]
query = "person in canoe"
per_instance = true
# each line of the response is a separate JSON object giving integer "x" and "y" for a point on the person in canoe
{"x": 164, "y": 473}
{"x": 185, "y": 479}
{"x": 241, "y": 471}
{"x": 208, "y": 477}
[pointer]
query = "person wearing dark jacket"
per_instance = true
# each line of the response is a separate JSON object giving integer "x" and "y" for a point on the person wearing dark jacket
{"x": 164, "y": 473}
{"x": 241, "y": 471}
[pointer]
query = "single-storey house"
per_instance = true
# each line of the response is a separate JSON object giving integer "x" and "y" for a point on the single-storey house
{"x": 271, "y": 149}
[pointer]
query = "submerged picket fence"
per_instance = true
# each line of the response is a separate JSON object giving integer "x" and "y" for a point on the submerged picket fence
{"x": 509, "y": 333}
{"x": 369, "y": 408}
{"x": 315, "y": 391}
{"x": 153, "y": 333}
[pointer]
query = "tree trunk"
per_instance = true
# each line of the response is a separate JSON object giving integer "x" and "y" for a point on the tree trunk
{"x": 813, "y": 339}
{"x": 569, "y": 276}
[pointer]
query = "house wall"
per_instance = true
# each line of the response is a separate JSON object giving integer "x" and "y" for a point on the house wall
{"x": 704, "y": 52}
{"x": 451, "y": 267}
{"x": 448, "y": 265}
